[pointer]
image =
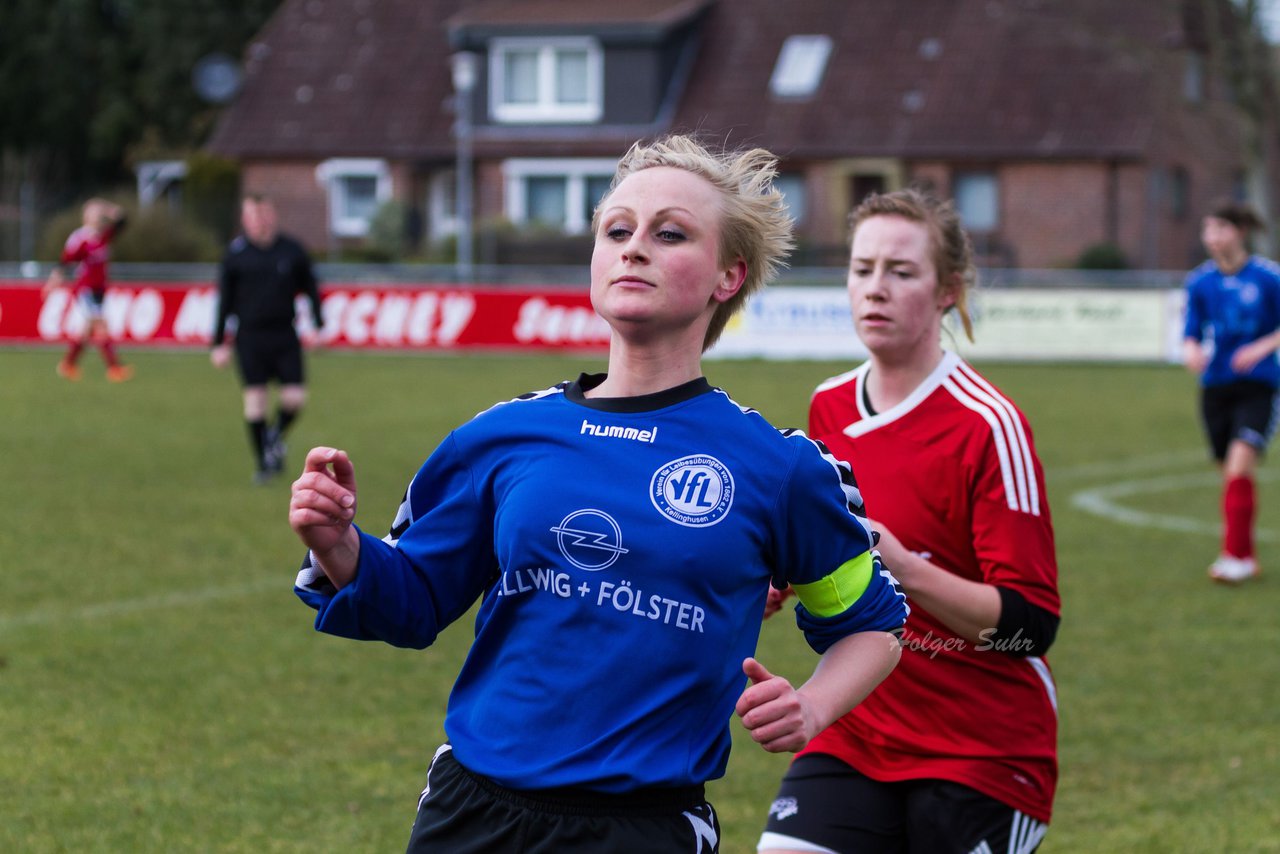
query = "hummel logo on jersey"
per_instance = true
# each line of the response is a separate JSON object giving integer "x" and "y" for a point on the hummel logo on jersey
{"x": 613, "y": 431}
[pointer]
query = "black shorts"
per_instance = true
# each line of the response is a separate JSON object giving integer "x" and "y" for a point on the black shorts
{"x": 1244, "y": 410}
{"x": 827, "y": 806}
{"x": 462, "y": 812}
{"x": 269, "y": 354}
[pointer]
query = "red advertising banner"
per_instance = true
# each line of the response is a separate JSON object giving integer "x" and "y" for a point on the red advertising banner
{"x": 420, "y": 317}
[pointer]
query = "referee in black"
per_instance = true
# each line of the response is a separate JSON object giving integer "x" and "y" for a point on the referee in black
{"x": 260, "y": 277}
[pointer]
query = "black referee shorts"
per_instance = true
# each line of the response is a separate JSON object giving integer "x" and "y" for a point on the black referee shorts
{"x": 462, "y": 812}
{"x": 1246, "y": 410}
{"x": 828, "y": 807}
{"x": 269, "y": 354}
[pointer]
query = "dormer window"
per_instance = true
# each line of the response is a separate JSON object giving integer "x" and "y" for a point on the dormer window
{"x": 546, "y": 80}
{"x": 801, "y": 64}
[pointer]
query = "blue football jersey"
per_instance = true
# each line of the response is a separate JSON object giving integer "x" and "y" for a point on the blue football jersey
{"x": 1234, "y": 310}
{"x": 622, "y": 550}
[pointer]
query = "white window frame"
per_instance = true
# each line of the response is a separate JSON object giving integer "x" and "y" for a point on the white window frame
{"x": 329, "y": 175}
{"x": 155, "y": 177}
{"x": 442, "y": 205}
{"x": 518, "y": 170}
{"x": 546, "y": 109}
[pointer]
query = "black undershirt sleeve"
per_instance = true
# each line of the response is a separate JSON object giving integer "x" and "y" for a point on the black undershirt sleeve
{"x": 1024, "y": 629}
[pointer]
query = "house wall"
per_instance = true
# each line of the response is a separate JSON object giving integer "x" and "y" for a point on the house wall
{"x": 489, "y": 192}
{"x": 1131, "y": 223}
{"x": 1213, "y": 172}
{"x": 299, "y": 199}
{"x": 932, "y": 176}
{"x": 634, "y": 78}
{"x": 302, "y": 201}
{"x": 1050, "y": 212}
{"x": 829, "y": 187}
{"x": 828, "y": 208}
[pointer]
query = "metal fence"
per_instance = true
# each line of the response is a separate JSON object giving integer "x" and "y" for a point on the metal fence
{"x": 578, "y": 275}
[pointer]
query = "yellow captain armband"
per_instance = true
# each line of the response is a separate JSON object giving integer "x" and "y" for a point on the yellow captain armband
{"x": 833, "y": 594}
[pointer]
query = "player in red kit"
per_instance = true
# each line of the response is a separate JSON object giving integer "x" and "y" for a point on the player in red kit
{"x": 956, "y": 750}
{"x": 89, "y": 248}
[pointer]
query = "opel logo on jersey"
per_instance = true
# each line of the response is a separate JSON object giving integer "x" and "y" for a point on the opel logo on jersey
{"x": 693, "y": 491}
{"x": 589, "y": 539}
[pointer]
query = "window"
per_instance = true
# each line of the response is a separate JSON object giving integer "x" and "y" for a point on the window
{"x": 1193, "y": 78}
{"x": 357, "y": 187}
{"x": 864, "y": 184}
{"x": 161, "y": 179}
{"x": 791, "y": 185}
{"x": 800, "y": 66}
{"x": 1179, "y": 193}
{"x": 546, "y": 200}
{"x": 597, "y": 186}
{"x": 978, "y": 200}
{"x": 442, "y": 205}
{"x": 561, "y": 194}
{"x": 537, "y": 80}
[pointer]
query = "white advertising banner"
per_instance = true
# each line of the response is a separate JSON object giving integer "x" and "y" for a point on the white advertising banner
{"x": 793, "y": 323}
{"x": 1047, "y": 324}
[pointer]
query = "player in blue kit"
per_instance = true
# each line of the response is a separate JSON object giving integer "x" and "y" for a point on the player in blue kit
{"x": 621, "y": 532}
{"x": 1233, "y": 300}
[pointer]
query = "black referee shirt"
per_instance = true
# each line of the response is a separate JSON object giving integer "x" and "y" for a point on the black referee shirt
{"x": 258, "y": 285}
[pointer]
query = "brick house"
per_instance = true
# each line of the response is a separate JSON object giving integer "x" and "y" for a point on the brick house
{"x": 1055, "y": 125}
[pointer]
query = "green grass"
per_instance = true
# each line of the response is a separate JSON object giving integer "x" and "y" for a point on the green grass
{"x": 161, "y": 688}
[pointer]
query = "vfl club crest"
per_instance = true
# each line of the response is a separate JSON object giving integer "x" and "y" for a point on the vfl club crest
{"x": 694, "y": 491}
{"x": 589, "y": 539}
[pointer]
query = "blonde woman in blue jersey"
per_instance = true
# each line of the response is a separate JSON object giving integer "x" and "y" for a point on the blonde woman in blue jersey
{"x": 621, "y": 532}
{"x": 1231, "y": 337}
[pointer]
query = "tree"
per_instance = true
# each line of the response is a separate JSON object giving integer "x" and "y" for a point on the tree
{"x": 1239, "y": 48}
{"x": 87, "y": 86}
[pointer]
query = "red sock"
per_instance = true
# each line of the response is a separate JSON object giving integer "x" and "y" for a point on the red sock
{"x": 108, "y": 353}
{"x": 1238, "y": 509}
{"x": 73, "y": 352}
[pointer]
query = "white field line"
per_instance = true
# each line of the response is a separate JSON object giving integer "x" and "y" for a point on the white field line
{"x": 1155, "y": 464}
{"x": 1104, "y": 500}
{"x": 1099, "y": 501}
{"x": 121, "y": 607}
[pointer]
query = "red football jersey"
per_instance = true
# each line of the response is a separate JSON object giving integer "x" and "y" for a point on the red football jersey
{"x": 952, "y": 472}
{"x": 91, "y": 250}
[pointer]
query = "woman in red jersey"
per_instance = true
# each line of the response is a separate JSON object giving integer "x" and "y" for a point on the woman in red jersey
{"x": 89, "y": 248}
{"x": 956, "y": 751}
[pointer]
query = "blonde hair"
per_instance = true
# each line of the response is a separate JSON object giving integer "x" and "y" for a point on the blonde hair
{"x": 755, "y": 225}
{"x": 952, "y": 249}
{"x": 94, "y": 207}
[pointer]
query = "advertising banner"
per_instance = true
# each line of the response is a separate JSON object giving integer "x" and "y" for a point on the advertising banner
{"x": 1024, "y": 324}
{"x": 780, "y": 323}
{"x": 355, "y": 316}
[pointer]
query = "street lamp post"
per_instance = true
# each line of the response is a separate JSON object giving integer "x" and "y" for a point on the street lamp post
{"x": 463, "y": 66}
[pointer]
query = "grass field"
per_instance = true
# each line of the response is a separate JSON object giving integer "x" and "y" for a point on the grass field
{"x": 161, "y": 689}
